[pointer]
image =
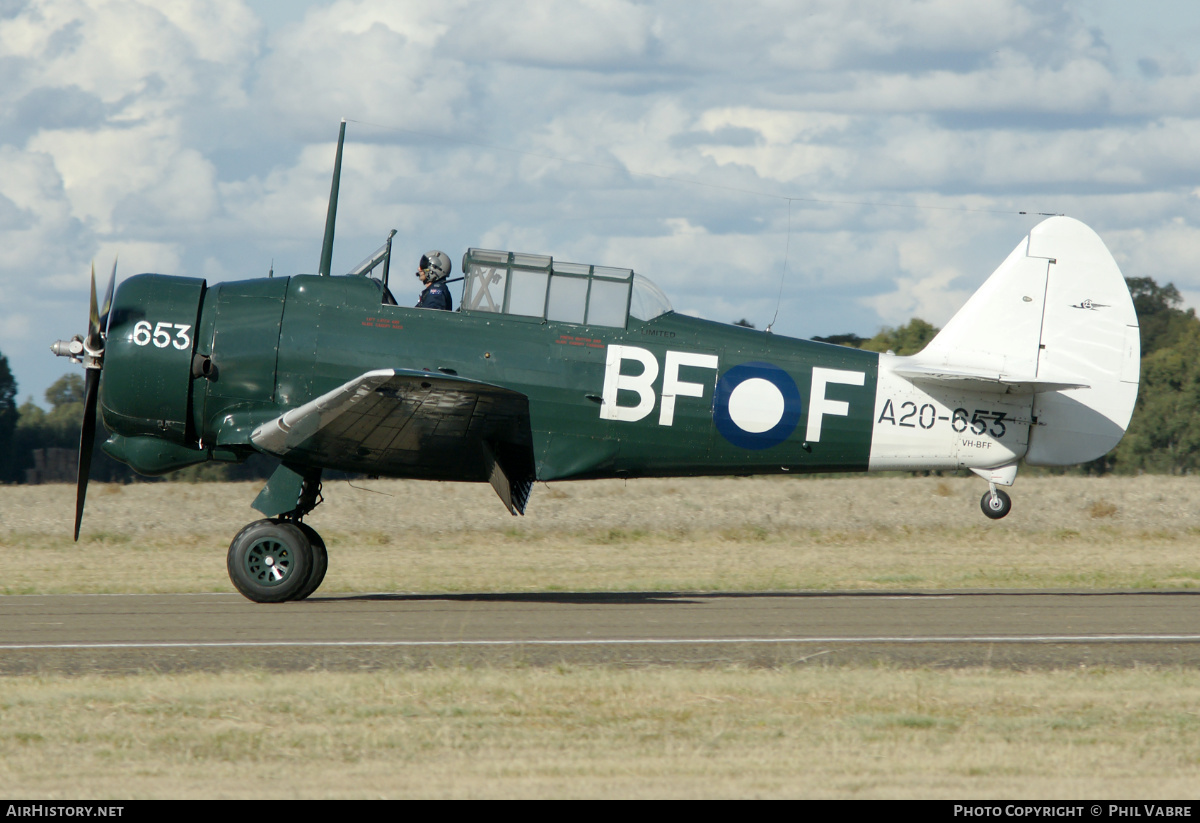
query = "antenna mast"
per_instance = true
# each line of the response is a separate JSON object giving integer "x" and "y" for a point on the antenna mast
{"x": 331, "y": 217}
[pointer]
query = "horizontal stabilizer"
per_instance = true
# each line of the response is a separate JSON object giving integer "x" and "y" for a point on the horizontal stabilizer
{"x": 980, "y": 380}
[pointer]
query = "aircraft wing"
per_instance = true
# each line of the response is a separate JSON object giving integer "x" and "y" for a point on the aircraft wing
{"x": 402, "y": 422}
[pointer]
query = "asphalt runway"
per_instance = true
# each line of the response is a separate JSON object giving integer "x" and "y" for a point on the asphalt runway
{"x": 213, "y": 632}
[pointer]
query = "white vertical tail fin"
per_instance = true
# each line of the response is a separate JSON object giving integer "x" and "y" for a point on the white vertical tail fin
{"x": 1055, "y": 319}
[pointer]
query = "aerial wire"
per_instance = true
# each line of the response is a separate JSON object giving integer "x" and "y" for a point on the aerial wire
{"x": 783, "y": 275}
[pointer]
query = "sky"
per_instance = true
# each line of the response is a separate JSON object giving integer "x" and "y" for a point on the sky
{"x": 830, "y": 166}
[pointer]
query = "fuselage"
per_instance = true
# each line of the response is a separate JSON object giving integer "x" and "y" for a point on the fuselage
{"x": 670, "y": 396}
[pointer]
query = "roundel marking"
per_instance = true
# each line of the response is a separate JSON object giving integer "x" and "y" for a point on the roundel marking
{"x": 756, "y": 405}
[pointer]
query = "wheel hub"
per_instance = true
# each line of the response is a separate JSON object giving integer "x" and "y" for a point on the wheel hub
{"x": 269, "y": 562}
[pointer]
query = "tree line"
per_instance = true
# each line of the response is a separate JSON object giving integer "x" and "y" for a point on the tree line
{"x": 1163, "y": 436}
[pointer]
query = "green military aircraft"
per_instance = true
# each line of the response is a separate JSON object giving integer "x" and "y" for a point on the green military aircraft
{"x": 557, "y": 371}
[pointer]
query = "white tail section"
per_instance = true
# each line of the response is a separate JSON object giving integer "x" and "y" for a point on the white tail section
{"x": 1055, "y": 320}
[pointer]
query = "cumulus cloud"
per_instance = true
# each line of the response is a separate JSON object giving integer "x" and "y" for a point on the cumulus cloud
{"x": 1166, "y": 251}
{"x": 142, "y": 58}
{"x": 593, "y": 34}
{"x": 382, "y": 60}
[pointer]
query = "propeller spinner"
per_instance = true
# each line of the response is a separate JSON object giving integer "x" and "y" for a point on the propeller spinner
{"x": 89, "y": 351}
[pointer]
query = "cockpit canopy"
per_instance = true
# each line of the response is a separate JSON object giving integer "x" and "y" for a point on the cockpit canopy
{"x": 534, "y": 285}
{"x": 537, "y": 286}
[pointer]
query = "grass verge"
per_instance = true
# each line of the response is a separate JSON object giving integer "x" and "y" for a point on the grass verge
{"x": 605, "y": 732}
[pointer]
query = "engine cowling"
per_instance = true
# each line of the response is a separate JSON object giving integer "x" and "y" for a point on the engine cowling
{"x": 147, "y": 377}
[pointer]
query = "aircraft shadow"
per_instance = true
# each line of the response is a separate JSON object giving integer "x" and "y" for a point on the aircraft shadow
{"x": 697, "y": 598}
{"x": 578, "y": 598}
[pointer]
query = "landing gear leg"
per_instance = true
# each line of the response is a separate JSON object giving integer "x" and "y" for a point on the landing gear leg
{"x": 995, "y": 502}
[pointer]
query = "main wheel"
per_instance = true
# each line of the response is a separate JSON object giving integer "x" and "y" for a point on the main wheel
{"x": 320, "y": 561}
{"x": 997, "y": 505}
{"x": 270, "y": 561}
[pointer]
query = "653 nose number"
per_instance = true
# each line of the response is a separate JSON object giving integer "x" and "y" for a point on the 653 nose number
{"x": 160, "y": 334}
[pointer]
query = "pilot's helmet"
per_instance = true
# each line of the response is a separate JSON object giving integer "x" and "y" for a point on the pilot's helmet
{"x": 437, "y": 264}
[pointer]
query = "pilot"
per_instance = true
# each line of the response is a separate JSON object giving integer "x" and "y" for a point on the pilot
{"x": 433, "y": 271}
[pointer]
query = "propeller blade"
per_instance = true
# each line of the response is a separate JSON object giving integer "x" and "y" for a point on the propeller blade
{"x": 87, "y": 438}
{"x": 93, "y": 335}
{"x": 106, "y": 306}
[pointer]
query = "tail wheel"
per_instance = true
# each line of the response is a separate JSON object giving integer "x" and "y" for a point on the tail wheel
{"x": 320, "y": 561}
{"x": 995, "y": 504}
{"x": 270, "y": 561}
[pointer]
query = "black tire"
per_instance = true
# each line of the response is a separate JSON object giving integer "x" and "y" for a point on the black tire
{"x": 270, "y": 561}
{"x": 320, "y": 561}
{"x": 996, "y": 507}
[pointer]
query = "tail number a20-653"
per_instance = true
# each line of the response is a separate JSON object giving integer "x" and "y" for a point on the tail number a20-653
{"x": 160, "y": 334}
{"x": 910, "y": 416}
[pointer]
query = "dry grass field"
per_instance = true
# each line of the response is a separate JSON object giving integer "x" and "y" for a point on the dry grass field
{"x": 850, "y": 732}
{"x": 778, "y": 533}
{"x": 600, "y": 732}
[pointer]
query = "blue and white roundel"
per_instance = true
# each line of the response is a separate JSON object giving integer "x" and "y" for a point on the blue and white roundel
{"x": 756, "y": 405}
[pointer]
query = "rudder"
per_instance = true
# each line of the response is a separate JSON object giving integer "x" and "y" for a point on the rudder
{"x": 1089, "y": 335}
